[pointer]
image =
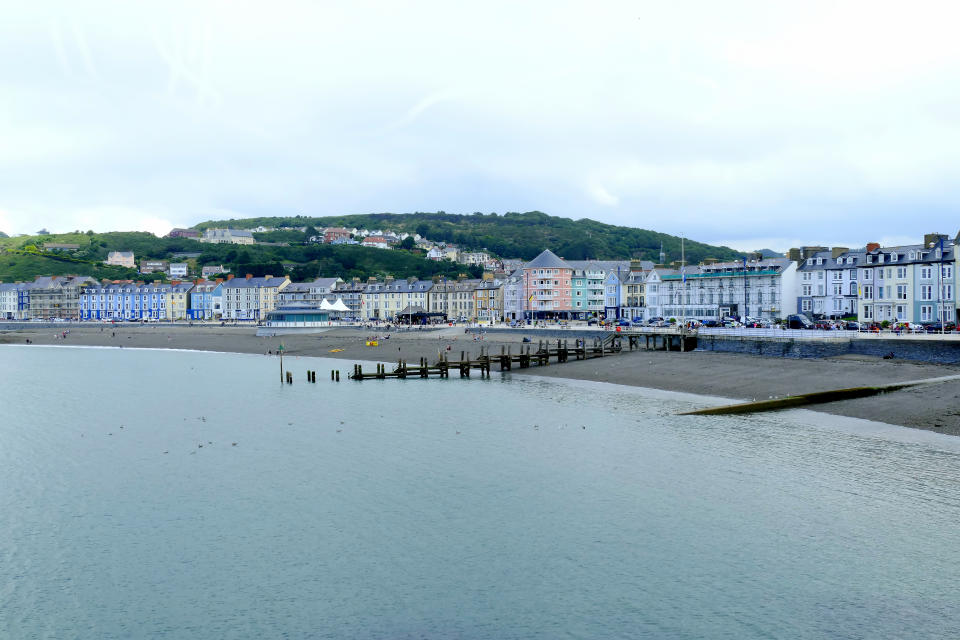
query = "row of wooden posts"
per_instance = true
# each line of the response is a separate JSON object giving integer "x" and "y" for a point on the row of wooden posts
{"x": 506, "y": 359}
{"x": 562, "y": 352}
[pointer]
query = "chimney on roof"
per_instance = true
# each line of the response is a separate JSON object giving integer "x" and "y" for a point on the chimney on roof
{"x": 218, "y": 280}
{"x": 836, "y": 251}
{"x": 872, "y": 246}
{"x": 268, "y": 276}
{"x": 249, "y": 275}
{"x": 174, "y": 282}
{"x": 794, "y": 254}
{"x": 389, "y": 280}
{"x": 229, "y": 276}
{"x": 371, "y": 280}
{"x": 806, "y": 252}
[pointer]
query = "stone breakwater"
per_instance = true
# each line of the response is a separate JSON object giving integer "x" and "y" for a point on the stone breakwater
{"x": 903, "y": 348}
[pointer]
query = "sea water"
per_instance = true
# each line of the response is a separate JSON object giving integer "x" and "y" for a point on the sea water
{"x": 162, "y": 494}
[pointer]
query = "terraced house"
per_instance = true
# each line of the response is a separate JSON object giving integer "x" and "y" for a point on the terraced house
{"x": 488, "y": 300}
{"x": 9, "y": 297}
{"x": 589, "y": 296}
{"x": 57, "y": 296}
{"x": 206, "y": 300}
{"x": 125, "y": 301}
{"x": 910, "y": 283}
{"x": 251, "y": 298}
{"x": 385, "y": 300}
{"x": 455, "y": 299}
{"x": 828, "y": 281}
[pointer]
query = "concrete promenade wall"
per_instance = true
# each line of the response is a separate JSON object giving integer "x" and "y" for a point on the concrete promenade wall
{"x": 940, "y": 351}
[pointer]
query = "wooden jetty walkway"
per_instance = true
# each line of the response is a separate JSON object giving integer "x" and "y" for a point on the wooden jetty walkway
{"x": 582, "y": 349}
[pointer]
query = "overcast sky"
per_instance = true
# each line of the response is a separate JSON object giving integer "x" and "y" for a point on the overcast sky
{"x": 766, "y": 124}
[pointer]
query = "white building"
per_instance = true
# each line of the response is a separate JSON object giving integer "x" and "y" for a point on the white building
{"x": 227, "y": 236}
{"x": 764, "y": 288}
{"x": 513, "y": 300}
{"x": 121, "y": 259}
{"x": 178, "y": 270}
{"x": 9, "y": 299}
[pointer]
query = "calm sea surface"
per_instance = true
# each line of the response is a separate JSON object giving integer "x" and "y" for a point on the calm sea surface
{"x": 508, "y": 508}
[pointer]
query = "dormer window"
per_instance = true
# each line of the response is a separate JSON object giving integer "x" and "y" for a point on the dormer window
{"x": 893, "y": 257}
{"x": 819, "y": 260}
{"x": 913, "y": 255}
{"x": 839, "y": 260}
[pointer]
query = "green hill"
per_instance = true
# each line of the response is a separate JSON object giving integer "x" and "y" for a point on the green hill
{"x": 24, "y": 258}
{"x": 511, "y": 235}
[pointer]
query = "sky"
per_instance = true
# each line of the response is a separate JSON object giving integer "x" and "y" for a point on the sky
{"x": 748, "y": 124}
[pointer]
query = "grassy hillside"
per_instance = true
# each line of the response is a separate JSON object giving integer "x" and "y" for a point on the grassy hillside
{"x": 24, "y": 258}
{"x": 512, "y": 235}
{"x": 25, "y": 267}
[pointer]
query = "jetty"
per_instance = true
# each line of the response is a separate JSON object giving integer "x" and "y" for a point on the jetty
{"x": 545, "y": 352}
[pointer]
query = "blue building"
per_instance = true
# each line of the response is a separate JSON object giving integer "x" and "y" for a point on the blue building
{"x": 125, "y": 301}
{"x": 205, "y": 301}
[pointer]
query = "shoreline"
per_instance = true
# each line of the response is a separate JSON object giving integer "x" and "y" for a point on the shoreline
{"x": 730, "y": 376}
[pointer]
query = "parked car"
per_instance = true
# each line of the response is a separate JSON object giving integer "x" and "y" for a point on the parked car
{"x": 653, "y": 322}
{"x": 938, "y": 327}
{"x": 852, "y": 326}
{"x": 799, "y": 321}
{"x": 711, "y": 323}
{"x": 638, "y": 320}
{"x": 591, "y": 322}
{"x": 624, "y": 323}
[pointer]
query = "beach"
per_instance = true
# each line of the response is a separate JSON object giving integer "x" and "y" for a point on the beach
{"x": 737, "y": 376}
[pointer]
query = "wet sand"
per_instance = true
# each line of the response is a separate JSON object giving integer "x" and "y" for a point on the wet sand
{"x": 736, "y": 376}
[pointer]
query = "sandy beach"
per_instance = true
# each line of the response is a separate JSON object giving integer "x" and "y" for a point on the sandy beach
{"x": 736, "y": 376}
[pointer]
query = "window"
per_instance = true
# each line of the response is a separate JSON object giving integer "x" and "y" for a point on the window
{"x": 901, "y": 311}
{"x": 901, "y": 273}
{"x": 867, "y": 312}
{"x": 901, "y": 292}
{"x": 807, "y": 275}
{"x": 807, "y": 290}
{"x": 866, "y": 274}
{"x": 926, "y": 273}
{"x": 926, "y": 292}
{"x": 805, "y": 305}
{"x": 852, "y": 273}
{"x": 946, "y": 271}
{"x": 867, "y": 291}
{"x": 948, "y": 292}
{"x": 926, "y": 312}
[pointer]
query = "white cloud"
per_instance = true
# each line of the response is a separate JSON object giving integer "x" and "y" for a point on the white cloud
{"x": 737, "y": 120}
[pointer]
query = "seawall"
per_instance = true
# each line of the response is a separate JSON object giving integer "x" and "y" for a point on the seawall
{"x": 939, "y": 351}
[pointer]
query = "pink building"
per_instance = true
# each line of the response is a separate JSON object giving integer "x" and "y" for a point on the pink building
{"x": 548, "y": 292}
